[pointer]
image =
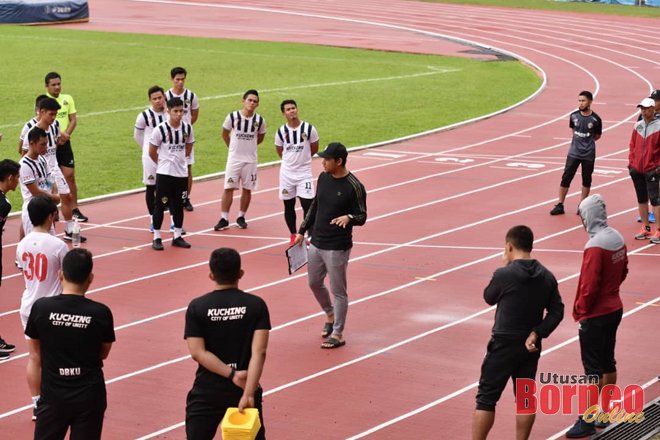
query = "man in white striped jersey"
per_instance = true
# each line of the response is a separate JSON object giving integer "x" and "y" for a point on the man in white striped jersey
{"x": 242, "y": 131}
{"x": 145, "y": 124}
{"x": 48, "y": 108}
{"x": 34, "y": 175}
{"x": 29, "y": 124}
{"x": 190, "y": 114}
{"x": 296, "y": 143}
{"x": 170, "y": 144}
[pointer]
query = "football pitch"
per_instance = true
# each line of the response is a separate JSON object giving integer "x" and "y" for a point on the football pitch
{"x": 353, "y": 96}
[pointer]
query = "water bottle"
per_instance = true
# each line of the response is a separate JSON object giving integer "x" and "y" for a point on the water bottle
{"x": 75, "y": 235}
{"x": 50, "y": 180}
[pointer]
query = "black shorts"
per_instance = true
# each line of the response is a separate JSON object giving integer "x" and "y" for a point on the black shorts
{"x": 64, "y": 155}
{"x": 504, "y": 359}
{"x": 204, "y": 412}
{"x": 597, "y": 341}
{"x": 571, "y": 167}
{"x": 84, "y": 419}
{"x": 171, "y": 191}
{"x": 646, "y": 186}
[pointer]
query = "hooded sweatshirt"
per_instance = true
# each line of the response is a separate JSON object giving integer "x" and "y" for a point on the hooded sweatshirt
{"x": 604, "y": 264}
{"x": 522, "y": 291}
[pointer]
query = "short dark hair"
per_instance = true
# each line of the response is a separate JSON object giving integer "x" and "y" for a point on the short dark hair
{"x": 39, "y": 99}
{"x": 39, "y": 208}
{"x": 52, "y": 75}
{"x": 8, "y": 168}
{"x": 251, "y": 92}
{"x": 175, "y": 102}
{"x": 587, "y": 95}
{"x": 285, "y": 102}
{"x": 521, "y": 237}
{"x": 156, "y": 89}
{"x": 49, "y": 104}
{"x": 225, "y": 265}
{"x": 77, "y": 265}
{"x": 177, "y": 71}
{"x": 36, "y": 134}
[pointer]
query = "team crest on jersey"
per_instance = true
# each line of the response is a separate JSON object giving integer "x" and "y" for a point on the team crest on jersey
{"x": 256, "y": 125}
{"x": 185, "y": 136}
{"x": 303, "y": 136}
{"x": 187, "y": 102}
{"x": 338, "y": 193}
{"x": 164, "y": 200}
{"x": 230, "y": 180}
{"x": 65, "y": 102}
{"x": 285, "y": 192}
{"x": 590, "y": 125}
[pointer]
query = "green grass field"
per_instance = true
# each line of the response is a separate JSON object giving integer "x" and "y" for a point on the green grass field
{"x": 353, "y": 96}
{"x": 550, "y": 5}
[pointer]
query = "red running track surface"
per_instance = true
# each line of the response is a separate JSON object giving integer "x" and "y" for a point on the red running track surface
{"x": 418, "y": 326}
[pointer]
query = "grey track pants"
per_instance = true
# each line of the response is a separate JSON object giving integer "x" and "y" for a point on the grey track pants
{"x": 334, "y": 264}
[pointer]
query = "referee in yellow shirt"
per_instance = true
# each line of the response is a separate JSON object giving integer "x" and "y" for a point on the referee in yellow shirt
{"x": 67, "y": 119}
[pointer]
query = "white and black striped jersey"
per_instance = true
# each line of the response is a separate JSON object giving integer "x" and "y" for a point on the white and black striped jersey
{"x": 144, "y": 126}
{"x": 243, "y": 137}
{"x": 26, "y": 128}
{"x": 33, "y": 171}
{"x": 53, "y": 134}
{"x": 296, "y": 149}
{"x": 171, "y": 144}
{"x": 189, "y": 102}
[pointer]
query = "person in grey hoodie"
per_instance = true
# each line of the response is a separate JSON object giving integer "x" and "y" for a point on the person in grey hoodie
{"x": 598, "y": 307}
{"x": 523, "y": 289}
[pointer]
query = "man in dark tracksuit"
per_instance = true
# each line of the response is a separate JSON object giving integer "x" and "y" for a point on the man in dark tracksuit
{"x": 522, "y": 290}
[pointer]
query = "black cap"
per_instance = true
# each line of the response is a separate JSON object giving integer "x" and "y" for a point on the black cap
{"x": 335, "y": 151}
{"x": 655, "y": 94}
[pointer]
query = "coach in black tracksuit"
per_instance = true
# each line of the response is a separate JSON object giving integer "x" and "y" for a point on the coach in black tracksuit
{"x": 522, "y": 290}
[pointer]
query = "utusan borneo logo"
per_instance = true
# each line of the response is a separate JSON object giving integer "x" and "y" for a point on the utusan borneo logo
{"x": 556, "y": 393}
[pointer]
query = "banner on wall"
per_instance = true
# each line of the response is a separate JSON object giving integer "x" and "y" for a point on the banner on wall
{"x": 43, "y": 11}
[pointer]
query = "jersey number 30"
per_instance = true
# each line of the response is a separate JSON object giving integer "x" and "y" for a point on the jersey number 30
{"x": 35, "y": 267}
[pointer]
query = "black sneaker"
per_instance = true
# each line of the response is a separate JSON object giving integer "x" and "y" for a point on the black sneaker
{"x": 6, "y": 348}
{"x": 79, "y": 215}
{"x": 4, "y": 356}
{"x": 581, "y": 429}
{"x": 241, "y": 222}
{"x": 157, "y": 244}
{"x": 68, "y": 236}
{"x": 558, "y": 209}
{"x": 180, "y": 242}
{"x": 222, "y": 224}
{"x": 187, "y": 205}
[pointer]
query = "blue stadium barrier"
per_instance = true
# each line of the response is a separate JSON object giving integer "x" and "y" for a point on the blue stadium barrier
{"x": 43, "y": 11}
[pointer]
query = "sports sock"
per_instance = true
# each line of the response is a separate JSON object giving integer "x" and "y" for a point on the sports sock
{"x": 225, "y": 215}
{"x": 177, "y": 233}
{"x": 156, "y": 233}
{"x": 68, "y": 226}
{"x": 241, "y": 213}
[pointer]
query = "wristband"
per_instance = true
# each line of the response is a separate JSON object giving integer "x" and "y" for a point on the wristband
{"x": 231, "y": 375}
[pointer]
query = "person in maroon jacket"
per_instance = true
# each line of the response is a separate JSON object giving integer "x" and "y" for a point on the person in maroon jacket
{"x": 598, "y": 307}
{"x": 644, "y": 167}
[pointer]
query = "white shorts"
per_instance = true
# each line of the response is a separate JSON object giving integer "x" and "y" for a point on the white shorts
{"x": 60, "y": 181}
{"x": 148, "y": 171}
{"x": 245, "y": 173}
{"x": 191, "y": 159}
{"x": 29, "y": 227}
{"x": 292, "y": 187}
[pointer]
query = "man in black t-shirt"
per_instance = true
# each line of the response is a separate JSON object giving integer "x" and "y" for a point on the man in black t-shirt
{"x": 227, "y": 334}
{"x": 523, "y": 290}
{"x": 340, "y": 203}
{"x": 9, "y": 177}
{"x": 587, "y": 127}
{"x": 71, "y": 335}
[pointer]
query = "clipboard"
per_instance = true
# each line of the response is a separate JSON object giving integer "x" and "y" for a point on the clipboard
{"x": 297, "y": 257}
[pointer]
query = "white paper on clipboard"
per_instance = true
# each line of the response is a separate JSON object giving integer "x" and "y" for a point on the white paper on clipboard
{"x": 297, "y": 256}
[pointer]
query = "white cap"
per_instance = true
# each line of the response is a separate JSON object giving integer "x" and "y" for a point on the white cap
{"x": 646, "y": 102}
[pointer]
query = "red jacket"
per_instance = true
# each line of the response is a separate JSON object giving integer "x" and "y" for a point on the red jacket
{"x": 645, "y": 146}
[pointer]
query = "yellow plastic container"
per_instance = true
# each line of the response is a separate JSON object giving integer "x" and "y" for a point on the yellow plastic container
{"x": 237, "y": 426}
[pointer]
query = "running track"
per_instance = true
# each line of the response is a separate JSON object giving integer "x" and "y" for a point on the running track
{"x": 418, "y": 326}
